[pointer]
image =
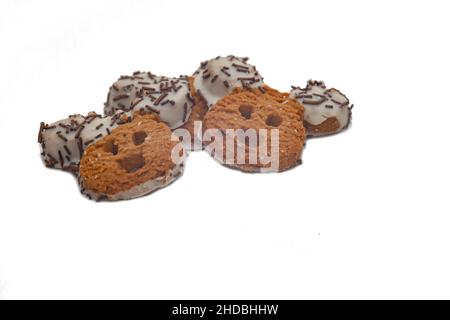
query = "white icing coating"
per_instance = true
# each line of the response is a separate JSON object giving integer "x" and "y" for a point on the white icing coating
{"x": 321, "y": 104}
{"x": 170, "y": 98}
{"x": 217, "y": 78}
{"x": 139, "y": 190}
{"x": 63, "y": 142}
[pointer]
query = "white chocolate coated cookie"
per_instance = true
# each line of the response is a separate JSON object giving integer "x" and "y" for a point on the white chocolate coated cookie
{"x": 135, "y": 159}
{"x": 63, "y": 142}
{"x": 327, "y": 111}
{"x": 218, "y": 77}
{"x": 170, "y": 98}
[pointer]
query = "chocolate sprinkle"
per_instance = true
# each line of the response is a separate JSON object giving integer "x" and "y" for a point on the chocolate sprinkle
{"x": 62, "y": 137}
{"x": 150, "y": 108}
{"x": 61, "y": 159}
{"x": 67, "y": 150}
{"x": 51, "y": 157}
{"x": 337, "y": 102}
{"x": 238, "y": 66}
{"x": 247, "y": 78}
{"x": 226, "y": 72}
{"x": 80, "y": 147}
{"x": 77, "y": 135}
{"x": 184, "y": 112}
{"x": 160, "y": 98}
{"x": 120, "y": 97}
{"x": 41, "y": 128}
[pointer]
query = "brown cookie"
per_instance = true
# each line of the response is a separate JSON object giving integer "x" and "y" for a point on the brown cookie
{"x": 135, "y": 159}
{"x": 261, "y": 114}
{"x": 63, "y": 142}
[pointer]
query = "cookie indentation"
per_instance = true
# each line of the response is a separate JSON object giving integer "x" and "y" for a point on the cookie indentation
{"x": 132, "y": 162}
{"x": 274, "y": 120}
{"x": 111, "y": 147}
{"x": 139, "y": 137}
{"x": 246, "y": 110}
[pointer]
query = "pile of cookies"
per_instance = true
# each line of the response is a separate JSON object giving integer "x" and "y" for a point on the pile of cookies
{"x": 150, "y": 123}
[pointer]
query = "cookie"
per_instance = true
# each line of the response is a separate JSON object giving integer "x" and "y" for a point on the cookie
{"x": 327, "y": 111}
{"x": 126, "y": 89}
{"x": 217, "y": 78}
{"x": 63, "y": 142}
{"x": 134, "y": 160}
{"x": 267, "y": 116}
{"x": 170, "y": 98}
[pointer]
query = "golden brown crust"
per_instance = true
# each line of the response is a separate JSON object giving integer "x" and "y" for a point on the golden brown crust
{"x": 247, "y": 109}
{"x": 131, "y": 155}
{"x": 266, "y": 91}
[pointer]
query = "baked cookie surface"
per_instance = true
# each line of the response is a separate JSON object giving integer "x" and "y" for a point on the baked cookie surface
{"x": 134, "y": 160}
{"x": 271, "y": 116}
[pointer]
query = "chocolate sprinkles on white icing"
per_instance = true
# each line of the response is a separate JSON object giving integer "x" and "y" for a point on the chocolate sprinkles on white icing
{"x": 322, "y": 104}
{"x": 63, "y": 142}
{"x": 218, "y": 77}
{"x": 170, "y": 98}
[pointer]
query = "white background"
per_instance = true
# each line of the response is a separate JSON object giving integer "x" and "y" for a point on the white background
{"x": 365, "y": 216}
